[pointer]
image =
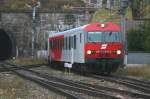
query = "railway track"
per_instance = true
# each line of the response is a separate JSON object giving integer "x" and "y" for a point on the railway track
{"x": 80, "y": 87}
{"x": 65, "y": 87}
{"x": 142, "y": 81}
{"x": 129, "y": 82}
{"x": 4, "y": 69}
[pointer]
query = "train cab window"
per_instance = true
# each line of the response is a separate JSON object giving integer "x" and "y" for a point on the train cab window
{"x": 112, "y": 36}
{"x": 94, "y": 36}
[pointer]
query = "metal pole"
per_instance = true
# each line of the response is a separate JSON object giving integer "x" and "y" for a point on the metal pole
{"x": 123, "y": 6}
{"x": 123, "y": 32}
{"x": 33, "y": 30}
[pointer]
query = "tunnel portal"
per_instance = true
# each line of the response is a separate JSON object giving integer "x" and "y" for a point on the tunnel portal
{"x": 6, "y": 45}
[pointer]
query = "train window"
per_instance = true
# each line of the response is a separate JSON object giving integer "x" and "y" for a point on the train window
{"x": 58, "y": 44}
{"x": 69, "y": 43}
{"x": 58, "y": 41}
{"x": 112, "y": 36}
{"x": 55, "y": 44}
{"x": 50, "y": 44}
{"x": 80, "y": 37}
{"x": 66, "y": 43}
{"x": 94, "y": 36}
{"x": 62, "y": 43}
{"x": 74, "y": 41}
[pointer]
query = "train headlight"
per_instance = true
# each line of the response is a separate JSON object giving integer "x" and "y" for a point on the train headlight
{"x": 89, "y": 52}
{"x": 118, "y": 52}
{"x": 102, "y": 25}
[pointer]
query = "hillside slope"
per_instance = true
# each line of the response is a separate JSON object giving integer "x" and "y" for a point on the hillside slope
{"x": 13, "y": 5}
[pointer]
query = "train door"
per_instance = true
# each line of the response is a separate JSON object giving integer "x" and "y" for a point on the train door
{"x": 79, "y": 54}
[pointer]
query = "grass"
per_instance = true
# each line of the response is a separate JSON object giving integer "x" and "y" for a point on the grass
{"x": 140, "y": 71}
{"x": 28, "y": 61}
{"x": 103, "y": 15}
{"x": 9, "y": 88}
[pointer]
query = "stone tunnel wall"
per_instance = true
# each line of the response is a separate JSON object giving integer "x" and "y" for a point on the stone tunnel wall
{"x": 20, "y": 25}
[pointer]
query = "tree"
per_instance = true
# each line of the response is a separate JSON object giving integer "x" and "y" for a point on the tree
{"x": 135, "y": 40}
{"x": 46, "y": 4}
{"x": 147, "y": 36}
{"x": 140, "y": 8}
{"x": 139, "y": 39}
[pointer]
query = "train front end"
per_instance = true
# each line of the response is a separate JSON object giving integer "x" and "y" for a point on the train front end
{"x": 103, "y": 50}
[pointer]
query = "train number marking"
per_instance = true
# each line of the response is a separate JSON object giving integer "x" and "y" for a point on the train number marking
{"x": 104, "y": 46}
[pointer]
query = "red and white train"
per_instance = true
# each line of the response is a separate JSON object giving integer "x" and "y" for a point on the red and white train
{"x": 95, "y": 47}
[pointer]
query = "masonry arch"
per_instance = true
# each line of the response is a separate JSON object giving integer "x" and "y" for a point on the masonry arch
{"x": 7, "y": 45}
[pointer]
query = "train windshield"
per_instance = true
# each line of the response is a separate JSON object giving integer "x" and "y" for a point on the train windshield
{"x": 103, "y": 36}
{"x": 94, "y": 36}
{"x": 111, "y": 36}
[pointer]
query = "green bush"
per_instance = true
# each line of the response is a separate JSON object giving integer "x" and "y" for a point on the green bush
{"x": 147, "y": 36}
{"x": 135, "y": 40}
{"x": 139, "y": 40}
{"x": 147, "y": 43}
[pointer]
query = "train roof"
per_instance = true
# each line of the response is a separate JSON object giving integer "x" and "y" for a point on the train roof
{"x": 99, "y": 26}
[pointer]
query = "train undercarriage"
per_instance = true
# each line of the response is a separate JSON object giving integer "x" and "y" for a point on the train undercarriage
{"x": 98, "y": 66}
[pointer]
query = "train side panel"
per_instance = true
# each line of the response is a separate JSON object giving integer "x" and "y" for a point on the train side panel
{"x": 76, "y": 51}
{"x": 72, "y": 47}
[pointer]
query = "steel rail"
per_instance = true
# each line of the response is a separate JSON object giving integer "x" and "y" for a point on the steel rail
{"x": 4, "y": 69}
{"x": 129, "y": 93}
{"x": 98, "y": 88}
{"x": 46, "y": 85}
{"x": 142, "y": 81}
{"x": 132, "y": 81}
{"x": 102, "y": 89}
{"x": 84, "y": 89}
{"x": 140, "y": 88}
